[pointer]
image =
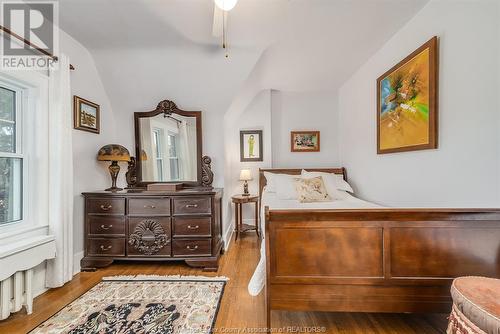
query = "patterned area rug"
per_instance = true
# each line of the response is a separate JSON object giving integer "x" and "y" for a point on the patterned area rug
{"x": 142, "y": 305}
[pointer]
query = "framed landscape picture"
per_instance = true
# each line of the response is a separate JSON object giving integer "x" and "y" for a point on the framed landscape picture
{"x": 304, "y": 141}
{"x": 407, "y": 102}
{"x": 86, "y": 115}
{"x": 251, "y": 145}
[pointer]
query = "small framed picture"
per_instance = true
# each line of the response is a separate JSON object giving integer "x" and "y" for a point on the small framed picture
{"x": 304, "y": 141}
{"x": 86, "y": 115}
{"x": 251, "y": 145}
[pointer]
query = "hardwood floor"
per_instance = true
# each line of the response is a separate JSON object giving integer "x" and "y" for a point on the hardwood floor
{"x": 238, "y": 309}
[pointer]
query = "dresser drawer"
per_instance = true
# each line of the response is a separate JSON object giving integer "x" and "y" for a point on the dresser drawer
{"x": 106, "y": 247}
{"x": 192, "y": 205}
{"x": 114, "y": 206}
{"x": 186, "y": 248}
{"x": 107, "y": 225}
{"x": 192, "y": 226}
{"x": 149, "y": 206}
{"x": 149, "y": 237}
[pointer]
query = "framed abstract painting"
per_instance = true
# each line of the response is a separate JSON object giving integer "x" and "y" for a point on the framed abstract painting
{"x": 407, "y": 102}
{"x": 304, "y": 141}
{"x": 251, "y": 145}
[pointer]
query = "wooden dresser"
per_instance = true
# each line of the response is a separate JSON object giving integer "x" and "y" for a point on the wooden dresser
{"x": 143, "y": 225}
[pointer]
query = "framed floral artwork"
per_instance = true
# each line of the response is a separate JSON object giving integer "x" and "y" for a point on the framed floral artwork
{"x": 305, "y": 141}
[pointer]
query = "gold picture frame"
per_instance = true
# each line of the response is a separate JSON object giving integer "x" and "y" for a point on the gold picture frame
{"x": 407, "y": 102}
{"x": 86, "y": 115}
{"x": 305, "y": 141}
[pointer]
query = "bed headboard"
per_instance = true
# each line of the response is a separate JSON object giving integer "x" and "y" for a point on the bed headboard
{"x": 295, "y": 171}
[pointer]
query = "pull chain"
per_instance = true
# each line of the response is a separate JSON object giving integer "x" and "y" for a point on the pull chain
{"x": 224, "y": 38}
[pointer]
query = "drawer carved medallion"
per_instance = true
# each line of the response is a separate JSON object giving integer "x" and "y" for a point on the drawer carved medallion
{"x": 148, "y": 237}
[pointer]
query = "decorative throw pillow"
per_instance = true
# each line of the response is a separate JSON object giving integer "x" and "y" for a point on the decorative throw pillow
{"x": 311, "y": 190}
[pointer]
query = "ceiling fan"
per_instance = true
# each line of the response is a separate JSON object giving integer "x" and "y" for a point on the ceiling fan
{"x": 219, "y": 28}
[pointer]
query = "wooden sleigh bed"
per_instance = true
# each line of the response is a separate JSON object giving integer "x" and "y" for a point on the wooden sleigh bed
{"x": 374, "y": 260}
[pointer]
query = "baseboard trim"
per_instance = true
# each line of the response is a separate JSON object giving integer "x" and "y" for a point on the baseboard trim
{"x": 76, "y": 262}
{"x": 228, "y": 235}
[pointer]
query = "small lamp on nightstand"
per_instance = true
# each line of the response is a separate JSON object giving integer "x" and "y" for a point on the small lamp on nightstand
{"x": 113, "y": 153}
{"x": 246, "y": 175}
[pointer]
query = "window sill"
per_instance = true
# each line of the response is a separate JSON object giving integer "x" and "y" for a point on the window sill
{"x": 25, "y": 254}
{"x": 9, "y": 234}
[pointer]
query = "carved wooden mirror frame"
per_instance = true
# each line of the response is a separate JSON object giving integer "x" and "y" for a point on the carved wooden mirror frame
{"x": 167, "y": 107}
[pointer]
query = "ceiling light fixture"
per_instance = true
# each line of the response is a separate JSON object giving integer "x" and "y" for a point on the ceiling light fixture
{"x": 226, "y": 5}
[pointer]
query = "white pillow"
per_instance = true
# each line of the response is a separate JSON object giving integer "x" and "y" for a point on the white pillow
{"x": 333, "y": 182}
{"x": 281, "y": 184}
{"x": 285, "y": 186}
{"x": 270, "y": 183}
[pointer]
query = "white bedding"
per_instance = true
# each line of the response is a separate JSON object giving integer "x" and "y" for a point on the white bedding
{"x": 271, "y": 200}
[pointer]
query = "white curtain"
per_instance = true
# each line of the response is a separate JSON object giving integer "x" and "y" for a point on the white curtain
{"x": 60, "y": 269}
{"x": 184, "y": 156}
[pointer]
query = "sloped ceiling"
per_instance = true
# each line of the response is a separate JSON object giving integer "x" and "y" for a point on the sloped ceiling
{"x": 147, "y": 50}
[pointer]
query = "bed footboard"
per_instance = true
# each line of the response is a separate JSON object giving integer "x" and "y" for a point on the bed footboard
{"x": 376, "y": 260}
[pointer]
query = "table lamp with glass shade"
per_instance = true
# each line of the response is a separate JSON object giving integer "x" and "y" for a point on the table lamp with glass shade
{"x": 246, "y": 175}
{"x": 113, "y": 153}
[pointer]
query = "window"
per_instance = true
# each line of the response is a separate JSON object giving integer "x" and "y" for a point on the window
{"x": 158, "y": 143}
{"x": 172, "y": 154}
{"x": 11, "y": 155}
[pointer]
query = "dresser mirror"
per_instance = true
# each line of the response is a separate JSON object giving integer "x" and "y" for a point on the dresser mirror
{"x": 168, "y": 146}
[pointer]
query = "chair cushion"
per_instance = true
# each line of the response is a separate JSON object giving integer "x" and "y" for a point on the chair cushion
{"x": 478, "y": 299}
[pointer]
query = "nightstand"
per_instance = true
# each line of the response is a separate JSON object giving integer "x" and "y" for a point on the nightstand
{"x": 238, "y": 201}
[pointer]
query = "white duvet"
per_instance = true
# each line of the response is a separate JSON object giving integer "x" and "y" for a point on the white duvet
{"x": 347, "y": 201}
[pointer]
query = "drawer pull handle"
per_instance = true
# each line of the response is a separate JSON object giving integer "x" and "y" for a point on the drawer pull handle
{"x": 106, "y": 248}
{"x": 193, "y": 227}
{"x": 106, "y": 227}
{"x": 149, "y": 207}
{"x": 191, "y": 205}
{"x": 192, "y": 248}
{"x": 106, "y": 207}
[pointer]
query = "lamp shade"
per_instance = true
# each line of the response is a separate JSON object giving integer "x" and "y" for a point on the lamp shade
{"x": 246, "y": 175}
{"x": 113, "y": 152}
{"x": 226, "y": 5}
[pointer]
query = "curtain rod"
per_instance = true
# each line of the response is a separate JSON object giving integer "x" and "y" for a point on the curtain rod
{"x": 36, "y": 47}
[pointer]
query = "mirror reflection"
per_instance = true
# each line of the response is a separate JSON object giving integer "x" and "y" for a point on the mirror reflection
{"x": 168, "y": 148}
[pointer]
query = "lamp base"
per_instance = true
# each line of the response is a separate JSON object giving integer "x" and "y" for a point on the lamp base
{"x": 245, "y": 189}
{"x": 113, "y": 189}
{"x": 114, "y": 169}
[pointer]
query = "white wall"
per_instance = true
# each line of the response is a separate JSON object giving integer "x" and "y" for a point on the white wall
{"x": 277, "y": 113}
{"x": 89, "y": 174}
{"x": 257, "y": 116}
{"x": 464, "y": 170}
{"x": 292, "y": 111}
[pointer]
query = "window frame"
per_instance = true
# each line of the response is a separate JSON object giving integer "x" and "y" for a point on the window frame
{"x": 35, "y": 151}
{"x": 159, "y": 157}
{"x": 19, "y": 147}
{"x": 175, "y": 139}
